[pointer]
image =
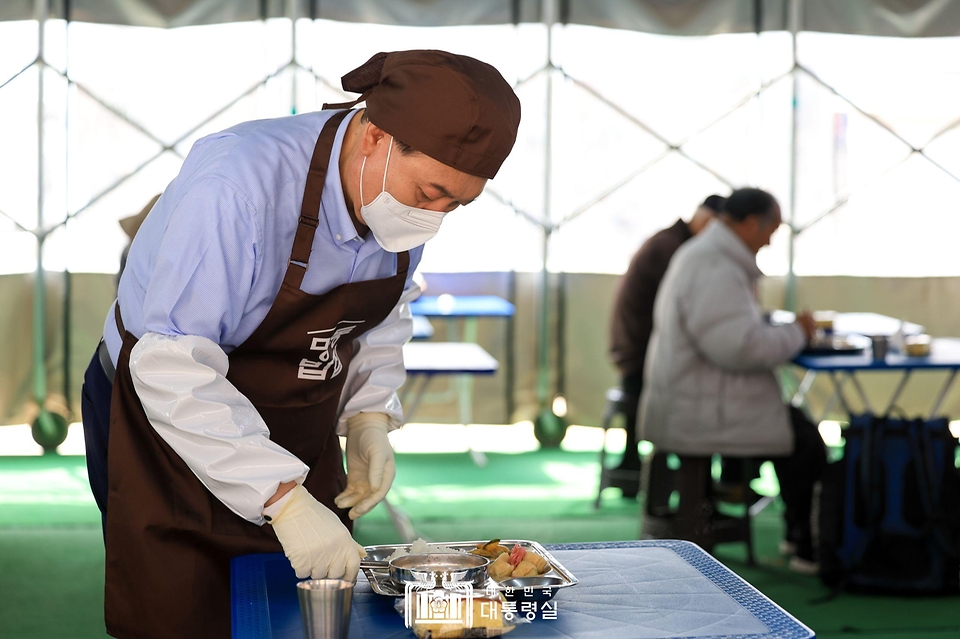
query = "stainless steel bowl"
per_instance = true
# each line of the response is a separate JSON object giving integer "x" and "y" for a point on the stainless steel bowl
{"x": 376, "y": 558}
{"x": 436, "y": 568}
{"x": 541, "y": 588}
{"x": 378, "y": 554}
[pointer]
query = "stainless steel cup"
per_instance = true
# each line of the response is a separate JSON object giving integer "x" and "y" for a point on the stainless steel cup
{"x": 325, "y": 608}
{"x": 880, "y": 346}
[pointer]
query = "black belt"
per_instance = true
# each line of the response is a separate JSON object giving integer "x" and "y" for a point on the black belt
{"x": 105, "y": 362}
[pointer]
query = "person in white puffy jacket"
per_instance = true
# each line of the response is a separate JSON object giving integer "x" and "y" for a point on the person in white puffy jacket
{"x": 711, "y": 387}
{"x": 262, "y": 314}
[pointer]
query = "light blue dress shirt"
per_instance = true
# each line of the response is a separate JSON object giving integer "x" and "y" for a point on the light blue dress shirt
{"x": 211, "y": 255}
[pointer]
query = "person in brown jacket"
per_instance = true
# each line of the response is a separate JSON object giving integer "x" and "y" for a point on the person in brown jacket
{"x": 632, "y": 323}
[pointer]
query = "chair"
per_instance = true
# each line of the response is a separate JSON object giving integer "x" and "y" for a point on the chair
{"x": 616, "y": 405}
{"x": 696, "y": 517}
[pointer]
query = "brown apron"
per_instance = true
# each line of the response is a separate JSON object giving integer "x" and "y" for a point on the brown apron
{"x": 169, "y": 541}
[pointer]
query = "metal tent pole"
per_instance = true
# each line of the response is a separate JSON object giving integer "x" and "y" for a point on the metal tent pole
{"x": 49, "y": 429}
{"x": 67, "y": 276}
{"x": 510, "y": 369}
{"x": 292, "y": 10}
{"x": 548, "y": 427}
{"x": 39, "y": 299}
{"x": 790, "y": 294}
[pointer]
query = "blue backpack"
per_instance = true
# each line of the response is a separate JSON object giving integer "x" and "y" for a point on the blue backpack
{"x": 889, "y": 511}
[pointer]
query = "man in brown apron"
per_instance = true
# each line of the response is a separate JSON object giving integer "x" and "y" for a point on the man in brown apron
{"x": 193, "y": 441}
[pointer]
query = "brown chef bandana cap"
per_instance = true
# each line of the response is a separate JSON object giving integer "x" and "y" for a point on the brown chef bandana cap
{"x": 454, "y": 108}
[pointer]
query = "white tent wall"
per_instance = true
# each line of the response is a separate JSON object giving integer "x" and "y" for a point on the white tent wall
{"x": 758, "y": 93}
{"x": 933, "y": 302}
{"x": 92, "y": 294}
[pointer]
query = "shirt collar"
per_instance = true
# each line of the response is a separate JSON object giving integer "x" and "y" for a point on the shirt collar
{"x": 729, "y": 243}
{"x": 332, "y": 201}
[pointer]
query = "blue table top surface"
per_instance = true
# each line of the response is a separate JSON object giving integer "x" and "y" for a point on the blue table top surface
{"x": 462, "y": 306}
{"x": 627, "y": 590}
{"x": 944, "y": 354}
{"x": 447, "y": 358}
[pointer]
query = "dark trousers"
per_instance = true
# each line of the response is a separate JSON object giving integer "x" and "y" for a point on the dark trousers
{"x": 95, "y": 411}
{"x": 797, "y": 474}
{"x": 631, "y": 385}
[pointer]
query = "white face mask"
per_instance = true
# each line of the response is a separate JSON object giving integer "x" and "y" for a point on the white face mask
{"x": 395, "y": 226}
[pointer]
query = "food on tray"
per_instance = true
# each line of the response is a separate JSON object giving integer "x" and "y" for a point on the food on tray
{"x": 491, "y": 549}
{"x": 824, "y": 319}
{"x": 517, "y": 555}
{"x": 917, "y": 345}
{"x": 837, "y": 343}
{"x": 514, "y": 562}
{"x": 525, "y": 569}
{"x": 538, "y": 561}
{"x": 500, "y": 568}
{"x": 422, "y": 547}
{"x": 494, "y": 575}
{"x": 487, "y": 620}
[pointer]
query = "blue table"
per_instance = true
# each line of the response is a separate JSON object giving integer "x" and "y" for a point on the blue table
{"x": 944, "y": 355}
{"x": 627, "y": 590}
{"x": 429, "y": 359}
{"x": 447, "y": 358}
{"x": 466, "y": 306}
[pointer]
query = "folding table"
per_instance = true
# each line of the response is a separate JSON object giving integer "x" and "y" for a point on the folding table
{"x": 468, "y": 308}
{"x": 627, "y": 590}
{"x": 944, "y": 355}
{"x": 426, "y": 360}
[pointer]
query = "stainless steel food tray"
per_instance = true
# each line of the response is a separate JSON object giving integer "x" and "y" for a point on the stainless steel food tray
{"x": 374, "y": 567}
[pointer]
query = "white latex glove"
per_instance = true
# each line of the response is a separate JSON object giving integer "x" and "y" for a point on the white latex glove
{"x": 314, "y": 539}
{"x": 370, "y": 465}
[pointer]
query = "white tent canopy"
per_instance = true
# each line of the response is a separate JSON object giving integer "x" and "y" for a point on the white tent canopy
{"x": 897, "y": 18}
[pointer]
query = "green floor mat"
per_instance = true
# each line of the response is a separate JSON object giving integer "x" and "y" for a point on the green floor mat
{"x": 51, "y": 583}
{"x": 47, "y": 490}
{"x": 51, "y": 552}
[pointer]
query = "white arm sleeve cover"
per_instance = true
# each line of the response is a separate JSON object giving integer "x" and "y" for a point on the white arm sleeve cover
{"x": 377, "y": 371}
{"x": 182, "y": 385}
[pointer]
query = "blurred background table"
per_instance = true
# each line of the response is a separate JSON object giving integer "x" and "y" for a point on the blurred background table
{"x": 944, "y": 355}
{"x": 843, "y": 368}
{"x": 426, "y": 360}
{"x": 465, "y": 310}
{"x": 462, "y": 306}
